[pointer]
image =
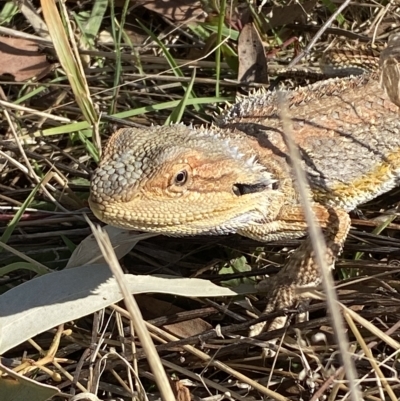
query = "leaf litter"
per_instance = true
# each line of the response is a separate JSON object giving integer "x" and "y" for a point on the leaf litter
{"x": 217, "y": 327}
{"x": 22, "y": 60}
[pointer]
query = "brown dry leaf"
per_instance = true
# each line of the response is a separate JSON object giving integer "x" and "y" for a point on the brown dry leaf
{"x": 181, "y": 392}
{"x": 154, "y": 308}
{"x": 390, "y": 80}
{"x": 252, "y": 60}
{"x": 188, "y": 328}
{"x": 287, "y": 14}
{"x": 21, "y": 59}
{"x": 176, "y": 10}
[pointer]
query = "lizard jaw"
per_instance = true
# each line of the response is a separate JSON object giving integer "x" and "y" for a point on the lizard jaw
{"x": 171, "y": 217}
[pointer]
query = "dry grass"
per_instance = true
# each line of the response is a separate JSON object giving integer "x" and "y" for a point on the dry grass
{"x": 145, "y": 74}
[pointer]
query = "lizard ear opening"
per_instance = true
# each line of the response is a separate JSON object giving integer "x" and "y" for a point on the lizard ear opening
{"x": 244, "y": 189}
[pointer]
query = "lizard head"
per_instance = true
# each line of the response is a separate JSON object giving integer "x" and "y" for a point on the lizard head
{"x": 180, "y": 181}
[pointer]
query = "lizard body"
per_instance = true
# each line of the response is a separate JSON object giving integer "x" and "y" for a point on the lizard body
{"x": 235, "y": 176}
{"x": 346, "y": 129}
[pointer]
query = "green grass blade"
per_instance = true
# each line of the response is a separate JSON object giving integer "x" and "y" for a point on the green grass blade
{"x": 67, "y": 59}
{"x": 12, "y": 267}
{"x": 17, "y": 217}
{"x": 176, "y": 115}
{"x": 174, "y": 66}
{"x": 74, "y": 127}
{"x": 117, "y": 41}
{"x": 218, "y": 50}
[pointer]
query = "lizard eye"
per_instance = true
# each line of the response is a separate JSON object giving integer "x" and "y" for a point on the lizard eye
{"x": 181, "y": 177}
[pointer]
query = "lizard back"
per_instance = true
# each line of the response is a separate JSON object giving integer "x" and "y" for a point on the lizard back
{"x": 347, "y": 130}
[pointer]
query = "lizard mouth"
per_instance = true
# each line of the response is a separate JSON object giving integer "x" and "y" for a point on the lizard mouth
{"x": 244, "y": 189}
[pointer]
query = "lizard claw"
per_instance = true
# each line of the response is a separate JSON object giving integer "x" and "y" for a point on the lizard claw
{"x": 282, "y": 296}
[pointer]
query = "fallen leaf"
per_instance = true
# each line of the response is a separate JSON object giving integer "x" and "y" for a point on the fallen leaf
{"x": 252, "y": 60}
{"x": 22, "y": 59}
{"x": 188, "y": 328}
{"x": 88, "y": 251}
{"x": 14, "y": 387}
{"x": 153, "y": 308}
{"x": 49, "y": 300}
{"x": 181, "y": 392}
{"x": 391, "y": 65}
{"x": 177, "y": 10}
{"x": 283, "y": 15}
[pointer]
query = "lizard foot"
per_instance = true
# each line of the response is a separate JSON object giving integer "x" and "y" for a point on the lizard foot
{"x": 281, "y": 297}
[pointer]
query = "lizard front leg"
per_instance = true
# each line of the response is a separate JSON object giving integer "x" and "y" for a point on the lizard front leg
{"x": 301, "y": 269}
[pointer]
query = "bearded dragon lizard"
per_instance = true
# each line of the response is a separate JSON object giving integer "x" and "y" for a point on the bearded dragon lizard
{"x": 235, "y": 176}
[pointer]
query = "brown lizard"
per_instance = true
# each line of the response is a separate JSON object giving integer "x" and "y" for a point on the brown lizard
{"x": 235, "y": 176}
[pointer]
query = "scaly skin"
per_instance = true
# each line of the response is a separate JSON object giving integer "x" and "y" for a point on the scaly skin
{"x": 234, "y": 177}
